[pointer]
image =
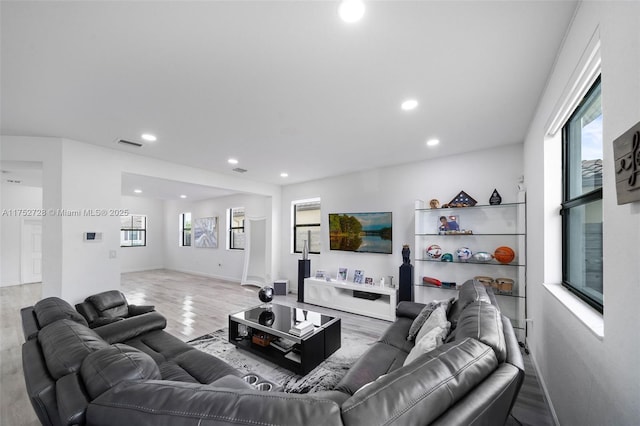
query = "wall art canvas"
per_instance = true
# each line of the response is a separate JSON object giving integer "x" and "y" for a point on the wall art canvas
{"x": 361, "y": 232}
{"x": 205, "y": 232}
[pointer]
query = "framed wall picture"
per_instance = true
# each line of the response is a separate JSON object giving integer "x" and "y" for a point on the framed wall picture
{"x": 205, "y": 232}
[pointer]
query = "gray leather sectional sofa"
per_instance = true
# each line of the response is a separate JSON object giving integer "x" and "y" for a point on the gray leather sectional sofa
{"x": 133, "y": 372}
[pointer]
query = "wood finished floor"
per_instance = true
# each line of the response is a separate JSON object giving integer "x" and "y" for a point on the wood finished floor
{"x": 193, "y": 306}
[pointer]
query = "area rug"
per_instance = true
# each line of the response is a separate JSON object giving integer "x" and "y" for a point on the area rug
{"x": 324, "y": 377}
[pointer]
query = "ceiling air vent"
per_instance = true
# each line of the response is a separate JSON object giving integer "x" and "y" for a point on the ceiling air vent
{"x": 240, "y": 170}
{"x": 129, "y": 143}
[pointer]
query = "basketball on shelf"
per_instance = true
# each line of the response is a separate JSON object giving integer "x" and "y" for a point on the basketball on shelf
{"x": 434, "y": 251}
{"x": 504, "y": 254}
{"x": 464, "y": 253}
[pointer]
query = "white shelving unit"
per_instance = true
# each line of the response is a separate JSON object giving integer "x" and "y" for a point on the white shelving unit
{"x": 339, "y": 295}
{"x": 492, "y": 226}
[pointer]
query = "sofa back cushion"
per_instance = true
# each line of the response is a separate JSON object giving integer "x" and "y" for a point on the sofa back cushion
{"x": 52, "y": 309}
{"x": 103, "y": 369}
{"x": 483, "y": 321}
{"x": 65, "y": 344}
{"x": 421, "y": 391}
{"x": 110, "y": 304}
{"x": 471, "y": 291}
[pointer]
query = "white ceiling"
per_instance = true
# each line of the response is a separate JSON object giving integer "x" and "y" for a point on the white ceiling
{"x": 164, "y": 189}
{"x": 280, "y": 85}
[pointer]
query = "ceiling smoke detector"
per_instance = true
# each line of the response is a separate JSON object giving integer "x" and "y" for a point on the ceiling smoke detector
{"x": 239, "y": 170}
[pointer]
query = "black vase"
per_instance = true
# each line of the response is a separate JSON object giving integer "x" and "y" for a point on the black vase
{"x": 266, "y": 294}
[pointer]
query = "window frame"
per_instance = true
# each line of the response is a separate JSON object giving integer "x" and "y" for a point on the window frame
{"x": 294, "y": 205}
{"x": 582, "y": 200}
{"x": 132, "y": 229}
{"x": 184, "y": 230}
{"x": 235, "y": 228}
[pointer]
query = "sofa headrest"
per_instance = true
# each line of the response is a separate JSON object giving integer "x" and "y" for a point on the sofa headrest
{"x": 421, "y": 391}
{"x": 110, "y": 303}
{"x": 52, "y": 309}
{"x": 483, "y": 321}
{"x": 65, "y": 344}
{"x": 103, "y": 369}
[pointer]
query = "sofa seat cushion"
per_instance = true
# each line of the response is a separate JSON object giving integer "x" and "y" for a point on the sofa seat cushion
{"x": 421, "y": 391}
{"x": 52, "y": 309}
{"x": 65, "y": 344}
{"x": 159, "y": 345}
{"x": 483, "y": 322}
{"x": 204, "y": 368}
{"x": 103, "y": 369}
{"x": 380, "y": 359}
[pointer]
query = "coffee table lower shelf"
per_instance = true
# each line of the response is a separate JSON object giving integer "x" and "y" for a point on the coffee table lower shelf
{"x": 312, "y": 349}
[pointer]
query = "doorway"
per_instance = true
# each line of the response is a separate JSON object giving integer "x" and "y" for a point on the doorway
{"x": 31, "y": 251}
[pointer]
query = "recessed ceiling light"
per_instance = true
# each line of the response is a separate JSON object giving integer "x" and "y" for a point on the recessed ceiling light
{"x": 409, "y": 104}
{"x": 433, "y": 142}
{"x": 149, "y": 137}
{"x": 183, "y": 196}
{"x": 351, "y": 10}
{"x": 232, "y": 161}
{"x": 284, "y": 174}
{"x": 138, "y": 191}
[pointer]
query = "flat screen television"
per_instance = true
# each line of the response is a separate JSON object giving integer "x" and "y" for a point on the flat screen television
{"x": 361, "y": 232}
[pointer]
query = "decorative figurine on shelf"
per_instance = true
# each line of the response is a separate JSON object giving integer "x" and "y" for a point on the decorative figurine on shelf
{"x": 266, "y": 294}
{"x": 495, "y": 198}
{"x": 406, "y": 254}
{"x": 434, "y": 204}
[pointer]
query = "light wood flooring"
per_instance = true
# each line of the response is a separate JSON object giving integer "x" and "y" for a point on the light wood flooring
{"x": 193, "y": 306}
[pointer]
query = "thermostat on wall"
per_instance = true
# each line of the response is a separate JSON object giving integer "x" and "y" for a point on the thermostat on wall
{"x": 93, "y": 236}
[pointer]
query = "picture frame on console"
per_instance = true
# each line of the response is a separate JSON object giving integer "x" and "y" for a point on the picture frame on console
{"x": 342, "y": 274}
{"x": 358, "y": 276}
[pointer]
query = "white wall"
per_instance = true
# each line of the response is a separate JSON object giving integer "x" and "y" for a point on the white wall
{"x": 213, "y": 262}
{"x": 150, "y": 256}
{"x": 395, "y": 189}
{"x": 79, "y": 176}
{"x": 15, "y": 197}
{"x": 590, "y": 380}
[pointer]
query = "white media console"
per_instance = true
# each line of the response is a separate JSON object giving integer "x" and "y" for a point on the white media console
{"x": 339, "y": 295}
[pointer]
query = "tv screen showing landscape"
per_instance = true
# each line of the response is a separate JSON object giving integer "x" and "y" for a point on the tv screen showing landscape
{"x": 360, "y": 232}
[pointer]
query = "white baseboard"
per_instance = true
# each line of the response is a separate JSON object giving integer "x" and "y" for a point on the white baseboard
{"x": 543, "y": 385}
{"x": 205, "y": 274}
{"x": 143, "y": 269}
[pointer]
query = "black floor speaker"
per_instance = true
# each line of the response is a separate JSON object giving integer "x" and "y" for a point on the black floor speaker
{"x": 405, "y": 284}
{"x": 304, "y": 271}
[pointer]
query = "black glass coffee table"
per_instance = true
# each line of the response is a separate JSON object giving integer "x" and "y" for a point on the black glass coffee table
{"x": 264, "y": 331}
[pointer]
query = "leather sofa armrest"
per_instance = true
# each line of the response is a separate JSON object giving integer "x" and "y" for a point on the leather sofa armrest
{"x": 30, "y": 326}
{"x": 72, "y": 400}
{"x": 135, "y": 310}
{"x": 409, "y": 309}
{"x": 128, "y": 328}
{"x": 99, "y": 322}
{"x": 180, "y": 403}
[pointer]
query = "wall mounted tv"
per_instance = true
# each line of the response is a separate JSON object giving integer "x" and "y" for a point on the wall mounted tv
{"x": 360, "y": 232}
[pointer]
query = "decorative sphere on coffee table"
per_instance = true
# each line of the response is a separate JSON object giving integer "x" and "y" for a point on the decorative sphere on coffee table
{"x": 266, "y": 294}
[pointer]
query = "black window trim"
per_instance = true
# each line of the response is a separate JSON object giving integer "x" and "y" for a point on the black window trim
{"x": 184, "y": 230}
{"x": 234, "y": 228}
{"x": 306, "y": 225}
{"x": 577, "y": 201}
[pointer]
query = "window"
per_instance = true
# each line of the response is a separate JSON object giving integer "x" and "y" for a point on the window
{"x": 185, "y": 229}
{"x": 236, "y": 228}
{"x": 582, "y": 200}
{"x": 306, "y": 225}
{"x": 133, "y": 231}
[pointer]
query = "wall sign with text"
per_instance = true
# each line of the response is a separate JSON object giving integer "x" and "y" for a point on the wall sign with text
{"x": 626, "y": 150}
